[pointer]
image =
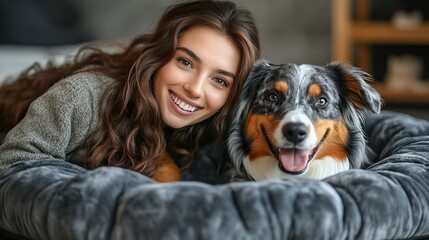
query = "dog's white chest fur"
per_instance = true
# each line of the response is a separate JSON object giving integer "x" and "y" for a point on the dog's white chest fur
{"x": 325, "y": 167}
{"x": 266, "y": 167}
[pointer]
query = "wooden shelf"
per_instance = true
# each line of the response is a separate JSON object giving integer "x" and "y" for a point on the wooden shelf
{"x": 386, "y": 33}
{"x": 353, "y": 38}
{"x": 405, "y": 96}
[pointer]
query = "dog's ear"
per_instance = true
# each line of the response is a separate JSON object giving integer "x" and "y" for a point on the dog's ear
{"x": 258, "y": 73}
{"x": 354, "y": 87}
{"x": 236, "y": 144}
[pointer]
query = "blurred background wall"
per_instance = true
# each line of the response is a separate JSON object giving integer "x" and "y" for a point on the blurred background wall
{"x": 291, "y": 30}
{"x": 298, "y": 31}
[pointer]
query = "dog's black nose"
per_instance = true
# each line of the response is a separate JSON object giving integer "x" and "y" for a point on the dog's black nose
{"x": 295, "y": 132}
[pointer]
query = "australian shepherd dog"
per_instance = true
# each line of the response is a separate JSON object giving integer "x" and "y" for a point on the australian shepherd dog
{"x": 300, "y": 120}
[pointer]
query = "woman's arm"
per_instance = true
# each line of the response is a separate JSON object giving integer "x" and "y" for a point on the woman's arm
{"x": 56, "y": 123}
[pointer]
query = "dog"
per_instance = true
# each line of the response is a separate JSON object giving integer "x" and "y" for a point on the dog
{"x": 300, "y": 120}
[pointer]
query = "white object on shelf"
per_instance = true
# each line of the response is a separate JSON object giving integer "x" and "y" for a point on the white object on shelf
{"x": 404, "y": 73}
{"x": 402, "y": 19}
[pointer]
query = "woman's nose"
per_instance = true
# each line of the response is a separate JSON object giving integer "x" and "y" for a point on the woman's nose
{"x": 195, "y": 87}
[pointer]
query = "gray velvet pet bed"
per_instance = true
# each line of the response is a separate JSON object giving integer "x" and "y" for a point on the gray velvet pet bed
{"x": 53, "y": 199}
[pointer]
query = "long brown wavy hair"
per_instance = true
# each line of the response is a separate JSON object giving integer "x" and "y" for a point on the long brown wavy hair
{"x": 131, "y": 133}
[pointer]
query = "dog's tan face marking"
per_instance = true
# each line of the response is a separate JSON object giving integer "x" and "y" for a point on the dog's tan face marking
{"x": 335, "y": 142}
{"x": 281, "y": 87}
{"x": 258, "y": 146}
{"x": 314, "y": 90}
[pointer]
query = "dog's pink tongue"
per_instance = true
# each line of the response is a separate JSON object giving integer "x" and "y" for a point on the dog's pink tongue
{"x": 294, "y": 160}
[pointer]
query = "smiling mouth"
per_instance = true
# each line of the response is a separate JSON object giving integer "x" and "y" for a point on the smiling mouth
{"x": 293, "y": 161}
{"x": 182, "y": 105}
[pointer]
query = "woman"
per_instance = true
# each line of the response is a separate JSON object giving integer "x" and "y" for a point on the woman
{"x": 173, "y": 87}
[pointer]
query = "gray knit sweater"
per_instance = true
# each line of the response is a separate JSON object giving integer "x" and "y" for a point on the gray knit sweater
{"x": 58, "y": 123}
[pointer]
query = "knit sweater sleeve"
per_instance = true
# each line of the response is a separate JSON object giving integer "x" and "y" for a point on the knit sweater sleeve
{"x": 58, "y": 122}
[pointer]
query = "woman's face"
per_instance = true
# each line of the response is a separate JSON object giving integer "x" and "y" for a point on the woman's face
{"x": 196, "y": 83}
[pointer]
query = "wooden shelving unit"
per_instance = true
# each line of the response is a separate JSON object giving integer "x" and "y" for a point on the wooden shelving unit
{"x": 405, "y": 96}
{"x": 386, "y": 33}
{"x": 356, "y": 36}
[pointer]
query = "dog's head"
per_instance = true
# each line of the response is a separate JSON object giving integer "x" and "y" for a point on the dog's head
{"x": 300, "y": 120}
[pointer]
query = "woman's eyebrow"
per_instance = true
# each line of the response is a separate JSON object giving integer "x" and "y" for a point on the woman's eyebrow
{"x": 196, "y": 58}
{"x": 190, "y": 53}
{"x": 229, "y": 74}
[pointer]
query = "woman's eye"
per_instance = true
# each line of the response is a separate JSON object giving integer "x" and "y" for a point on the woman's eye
{"x": 222, "y": 82}
{"x": 185, "y": 63}
{"x": 273, "y": 97}
{"x": 321, "y": 102}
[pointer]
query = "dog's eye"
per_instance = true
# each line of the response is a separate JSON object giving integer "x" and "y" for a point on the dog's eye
{"x": 321, "y": 102}
{"x": 273, "y": 97}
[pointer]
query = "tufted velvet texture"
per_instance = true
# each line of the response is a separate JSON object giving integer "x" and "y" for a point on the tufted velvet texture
{"x": 54, "y": 199}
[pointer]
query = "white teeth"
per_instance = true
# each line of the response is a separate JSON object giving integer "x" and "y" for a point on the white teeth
{"x": 182, "y": 105}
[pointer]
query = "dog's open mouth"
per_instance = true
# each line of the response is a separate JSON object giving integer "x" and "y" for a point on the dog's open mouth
{"x": 293, "y": 160}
